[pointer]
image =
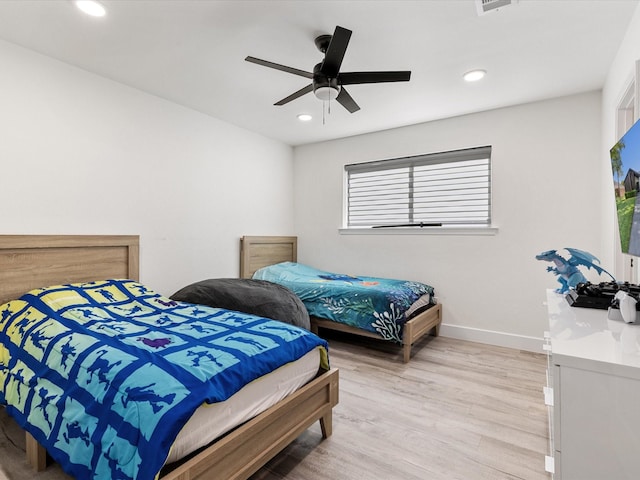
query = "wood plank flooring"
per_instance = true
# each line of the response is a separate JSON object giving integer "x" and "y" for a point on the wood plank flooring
{"x": 458, "y": 410}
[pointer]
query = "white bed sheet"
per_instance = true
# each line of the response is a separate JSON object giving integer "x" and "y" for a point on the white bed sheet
{"x": 211, "y": 421}
{"x": 425, "y": 300}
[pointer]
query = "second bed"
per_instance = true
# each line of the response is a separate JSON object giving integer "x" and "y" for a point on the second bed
{"x": 411, "y": 313}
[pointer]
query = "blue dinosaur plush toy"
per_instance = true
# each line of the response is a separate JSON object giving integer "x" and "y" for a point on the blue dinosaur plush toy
{"x": 567, "y": 269}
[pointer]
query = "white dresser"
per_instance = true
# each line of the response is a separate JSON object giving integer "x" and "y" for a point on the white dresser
{"x": 593, "y": 394}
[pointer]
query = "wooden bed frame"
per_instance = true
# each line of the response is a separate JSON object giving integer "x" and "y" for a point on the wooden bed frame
{"x": 32, "y": 261}
{"x": 259, "y": 252}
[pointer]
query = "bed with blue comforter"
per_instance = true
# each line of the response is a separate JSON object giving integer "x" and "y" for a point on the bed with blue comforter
{"x": 105, "y": 374}
{"x": 378, "y": 305}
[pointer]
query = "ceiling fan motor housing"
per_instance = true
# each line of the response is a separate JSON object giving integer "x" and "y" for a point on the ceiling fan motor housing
{"x": 324, "y": 87}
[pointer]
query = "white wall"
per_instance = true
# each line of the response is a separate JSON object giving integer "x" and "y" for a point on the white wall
{"x": 81, "y": 154}
{"x": 546, "y": 183}
{"x": 621, "y": 75}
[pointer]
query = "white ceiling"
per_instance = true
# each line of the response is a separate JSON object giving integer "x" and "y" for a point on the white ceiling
{"x": 192, "y": 53}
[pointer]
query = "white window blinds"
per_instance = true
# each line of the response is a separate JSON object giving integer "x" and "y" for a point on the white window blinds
{"x": 447, "y": 188}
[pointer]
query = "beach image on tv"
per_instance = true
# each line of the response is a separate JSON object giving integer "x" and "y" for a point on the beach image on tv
{"x": 625, "y": 166}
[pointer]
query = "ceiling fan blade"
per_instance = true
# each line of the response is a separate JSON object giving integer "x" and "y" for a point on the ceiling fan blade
{"x": 335, "y": 52}
{"x": 352, "y": 78}
{"x": 293, "y": 96}
{"x": 277, "y": 66}
{"x": 346, "y": 101}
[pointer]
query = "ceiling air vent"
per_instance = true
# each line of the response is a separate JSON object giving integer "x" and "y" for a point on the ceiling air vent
{"x": 486, "y": 6}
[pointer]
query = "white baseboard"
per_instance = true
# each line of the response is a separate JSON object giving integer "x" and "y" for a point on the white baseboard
{"x": 500, "y": 339}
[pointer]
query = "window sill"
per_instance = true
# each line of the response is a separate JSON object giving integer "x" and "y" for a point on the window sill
{"x": 482, "y": 231}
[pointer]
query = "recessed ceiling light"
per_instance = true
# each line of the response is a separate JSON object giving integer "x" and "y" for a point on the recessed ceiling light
{"x": 304, "y": 117}
{"x": 91, "y": 7}
{"x": 474, "y": 75}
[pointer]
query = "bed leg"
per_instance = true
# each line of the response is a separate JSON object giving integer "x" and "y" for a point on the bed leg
{"x": 406, "y": 352}
{"x": 326, "y": 424}
{"x": 36, "y": 453}
{"x": 314, "y": 327}
{"x": 436, "y": 330}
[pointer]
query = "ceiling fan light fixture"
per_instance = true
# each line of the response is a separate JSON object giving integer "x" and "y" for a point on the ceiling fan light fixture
{"x": 304, "y": 117}
{"x": 327, "y": 93}
{"x": 91, "y": 7}
{"x": 474, "y": 75}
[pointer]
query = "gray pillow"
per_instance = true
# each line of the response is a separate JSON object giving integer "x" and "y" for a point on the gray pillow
{"x": 257, "y": 297}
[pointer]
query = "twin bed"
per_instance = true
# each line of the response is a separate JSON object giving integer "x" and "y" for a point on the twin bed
{"x": 272, "y": 410}
{"x": 400, "y": 311}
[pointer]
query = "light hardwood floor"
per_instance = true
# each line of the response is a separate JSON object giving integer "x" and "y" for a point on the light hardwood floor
{"x": 458, "y": 410}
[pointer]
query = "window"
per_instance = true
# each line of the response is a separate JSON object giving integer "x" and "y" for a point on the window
{"x": 439, "y": 189}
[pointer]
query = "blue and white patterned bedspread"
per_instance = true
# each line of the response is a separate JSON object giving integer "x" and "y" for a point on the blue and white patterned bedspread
{"x": 374, "y": 304}
{"x": 105, "y": 374}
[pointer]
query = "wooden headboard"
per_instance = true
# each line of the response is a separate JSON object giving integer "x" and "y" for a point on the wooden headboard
{"x": 258, "y": 252}
{"x": 33, "y": 261}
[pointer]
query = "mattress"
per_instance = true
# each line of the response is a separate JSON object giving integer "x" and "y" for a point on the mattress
{"x": 213, "y": 420}
{"x": 423, "y": 303}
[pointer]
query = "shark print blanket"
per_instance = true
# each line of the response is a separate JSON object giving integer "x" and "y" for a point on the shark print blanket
{"x": 105, "y": 374}
{"x": 377, "y": 305}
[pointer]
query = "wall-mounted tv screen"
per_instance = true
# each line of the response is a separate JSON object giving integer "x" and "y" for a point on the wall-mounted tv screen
{"x": 625, "y": 165}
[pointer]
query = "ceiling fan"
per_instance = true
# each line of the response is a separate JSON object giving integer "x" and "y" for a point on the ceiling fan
{"x": 327, "y": 82}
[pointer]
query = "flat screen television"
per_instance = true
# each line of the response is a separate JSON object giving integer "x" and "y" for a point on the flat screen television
{"x": 625, "y": 165}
